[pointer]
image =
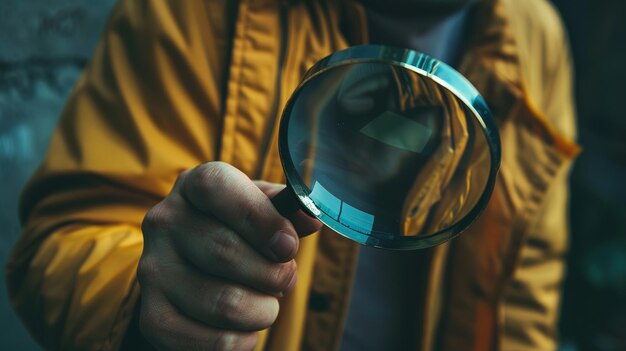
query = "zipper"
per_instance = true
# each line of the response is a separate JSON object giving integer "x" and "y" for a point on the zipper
{"x": 284, "y": 26}
{"x": 232, "y": 14}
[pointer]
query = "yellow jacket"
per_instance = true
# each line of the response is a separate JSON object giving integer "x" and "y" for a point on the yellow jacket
{"x": 176, "y": 83}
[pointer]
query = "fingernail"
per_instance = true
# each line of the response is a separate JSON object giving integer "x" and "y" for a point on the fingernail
{"x": 283, "y": 246}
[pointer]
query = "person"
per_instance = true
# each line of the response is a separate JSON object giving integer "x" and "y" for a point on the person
{"x": 149, "y": 222}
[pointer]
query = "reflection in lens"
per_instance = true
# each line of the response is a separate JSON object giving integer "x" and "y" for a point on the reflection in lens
{"x": 385, "y": 151}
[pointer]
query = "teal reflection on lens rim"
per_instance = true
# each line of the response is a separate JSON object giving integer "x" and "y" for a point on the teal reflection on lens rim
{"x": 428, "y": 67}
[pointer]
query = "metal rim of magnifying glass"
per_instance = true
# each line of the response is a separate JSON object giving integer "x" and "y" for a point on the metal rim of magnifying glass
{"x": 427, "y": 67}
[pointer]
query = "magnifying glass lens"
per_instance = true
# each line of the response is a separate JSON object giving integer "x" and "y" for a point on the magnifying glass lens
{"x": 384, "y": 155}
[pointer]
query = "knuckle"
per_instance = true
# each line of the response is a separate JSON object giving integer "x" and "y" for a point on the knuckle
{"x": 147, "y": 270}
{"x": 230, "y": 303}
{"x": 207, "y": 176}
{"x": 157, "y": 218}
{"x": 148, "y": 224}
{"x": 280, "y": 276}
{"x": 227, "y": 341}
{"x": 184, "y": 174}
{"x": 225, "y": 248}
{"x": 251, "y": 212}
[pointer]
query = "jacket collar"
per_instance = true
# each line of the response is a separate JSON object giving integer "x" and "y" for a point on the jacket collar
{"x": 490, "y": 57}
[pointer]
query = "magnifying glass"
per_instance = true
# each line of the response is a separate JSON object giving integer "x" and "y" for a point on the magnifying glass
{"x": 388, "y": 147}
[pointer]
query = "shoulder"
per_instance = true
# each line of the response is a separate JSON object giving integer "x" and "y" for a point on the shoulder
{"x": 538, "y": 31}
{"x": 535, "y": 19}
{"x": 172, "y": 18}
{"x": 545, "y": 60}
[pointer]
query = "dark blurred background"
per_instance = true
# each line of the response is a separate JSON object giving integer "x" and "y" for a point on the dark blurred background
{"x": 594, "y": 306}
{"x": 44, "y": 45}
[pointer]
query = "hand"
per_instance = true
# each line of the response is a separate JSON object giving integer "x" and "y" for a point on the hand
{"x": 216, "y": 257}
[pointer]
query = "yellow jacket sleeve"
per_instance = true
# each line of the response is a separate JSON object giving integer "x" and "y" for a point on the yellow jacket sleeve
{"x": 531, "y": 302}
{"x": 147, "y": 107}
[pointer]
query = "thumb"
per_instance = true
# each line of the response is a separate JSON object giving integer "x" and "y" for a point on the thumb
{"x": 302, "y": 222}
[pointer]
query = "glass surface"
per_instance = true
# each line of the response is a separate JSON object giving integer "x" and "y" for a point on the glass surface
{"x": 384, "y": 154}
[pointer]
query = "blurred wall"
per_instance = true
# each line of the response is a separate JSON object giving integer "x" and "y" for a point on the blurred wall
{"x": 44, "y": 44}
{"x": 594, "y": 305}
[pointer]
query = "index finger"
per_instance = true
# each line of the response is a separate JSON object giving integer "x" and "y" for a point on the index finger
{"x": 224, "y": 192}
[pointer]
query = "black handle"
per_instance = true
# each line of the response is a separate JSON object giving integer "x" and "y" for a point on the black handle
{"x": 286, "y": 203}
